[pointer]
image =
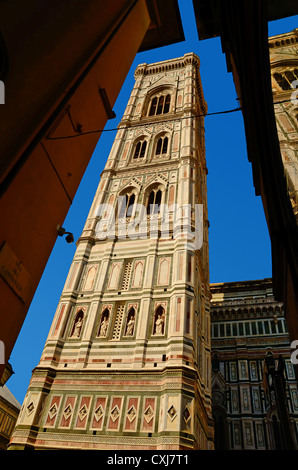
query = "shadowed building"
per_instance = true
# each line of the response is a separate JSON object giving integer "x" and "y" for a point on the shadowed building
{"x": 247, "y": 327}
{"x": 284, "y": 72}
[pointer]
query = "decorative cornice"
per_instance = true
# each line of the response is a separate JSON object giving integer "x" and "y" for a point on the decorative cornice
{"x": 282, "y": 40}
{"x": 167, "y": 65}
{"x": 174, "y": 64}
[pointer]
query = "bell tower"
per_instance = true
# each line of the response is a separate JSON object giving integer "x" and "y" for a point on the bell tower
{"x": 126, "y": 364}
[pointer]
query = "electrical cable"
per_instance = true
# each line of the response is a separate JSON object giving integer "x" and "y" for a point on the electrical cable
{"x": 134, "y": 126}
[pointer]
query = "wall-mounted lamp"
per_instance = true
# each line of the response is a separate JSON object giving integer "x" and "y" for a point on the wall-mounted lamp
{"x": 61, "y": 231}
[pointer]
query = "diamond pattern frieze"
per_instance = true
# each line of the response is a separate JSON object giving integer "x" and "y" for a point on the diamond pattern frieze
{"x": 172, "y": 413}
{"x": 99, "y": 412}
{"x": 148, "y": 414}
{"x": 115, "y": 413}
{"x": 131, "y": 414}
{"x": 67, "y": 412}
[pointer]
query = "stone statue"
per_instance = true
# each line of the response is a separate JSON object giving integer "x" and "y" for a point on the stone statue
{"x": 130, "y": 326}
{"x": 159, "y": 325}
{"x": 104, "y": 326}
{"x": 77, "y": 328}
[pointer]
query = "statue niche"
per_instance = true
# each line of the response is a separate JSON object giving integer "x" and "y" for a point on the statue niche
{"x": 131, "y": 320}
{"x": 159, "y": 321}
{"x": 77, "y": 325}
{"x": 104, "y": 323}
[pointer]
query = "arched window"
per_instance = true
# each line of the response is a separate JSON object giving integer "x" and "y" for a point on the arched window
{"x": 153, "y": 107}
{"x": 127, "y": 202}
{"x": 166, "y": 108}
{"x": 159, "y": 104}
{"x": 162, "y": 146}
{"x": 285, "y": 78}
{"x": 154, "y": 201}
{"x": 140, "y": 149}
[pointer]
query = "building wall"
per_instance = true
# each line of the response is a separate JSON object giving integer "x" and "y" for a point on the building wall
{"x": 247, "y": 325}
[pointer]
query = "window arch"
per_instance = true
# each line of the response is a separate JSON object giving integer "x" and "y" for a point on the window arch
{"x": 140, "y": 149}
{"x": 126, "y": 204}
{"x": 159, "y": 104}
{"x": 154, "y": 201}
{"x": 162, "y": 145}
{"x": 153, "y": 106}
{"x": 285, "y": 78}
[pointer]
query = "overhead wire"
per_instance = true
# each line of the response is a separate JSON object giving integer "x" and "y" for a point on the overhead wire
{"x": 134, "y": 126}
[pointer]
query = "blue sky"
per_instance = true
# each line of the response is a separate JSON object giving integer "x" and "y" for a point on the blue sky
{"x": 238, "y": 236}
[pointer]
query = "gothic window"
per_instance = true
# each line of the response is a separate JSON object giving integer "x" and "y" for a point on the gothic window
{"x": 160, "y": 105}
{"x": 166, "y": 107}
{"x": 127, "y": 202}
{"x": 153, "y": 106}
{"x": 284, "y": 79}
{"x": 162, "y": 146}
{"x": 140, "y": 149}
{"x": 154, "y": 201}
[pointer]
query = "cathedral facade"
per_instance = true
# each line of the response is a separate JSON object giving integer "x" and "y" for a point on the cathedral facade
{"x": 127, "y": 362}
{"x": 248, "y": 329}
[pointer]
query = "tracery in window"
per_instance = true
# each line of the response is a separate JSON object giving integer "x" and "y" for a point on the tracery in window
{"x": 154, "y": 201}
{"x": 126, "y": 204}
{"x": 140, "y": 149}
{"x": 160, "y": 105}
{"x": 162, "y": 146}
{"x": 284, "y": 79}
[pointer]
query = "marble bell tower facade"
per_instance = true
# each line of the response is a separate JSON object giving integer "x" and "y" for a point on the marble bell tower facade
{"x": 127, "y": 362}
